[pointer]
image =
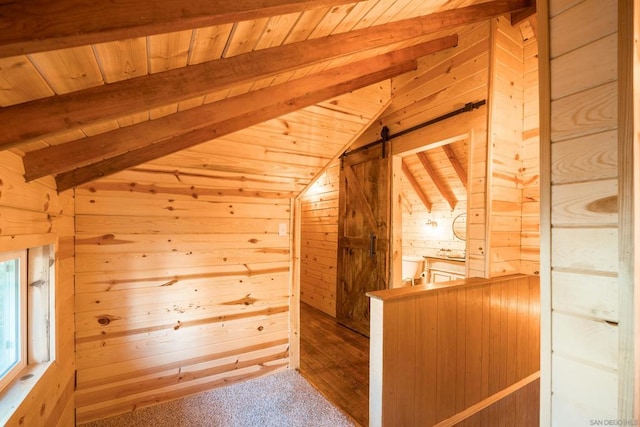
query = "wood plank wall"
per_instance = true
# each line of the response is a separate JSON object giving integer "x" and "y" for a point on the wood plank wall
{"x": 182, "y": 284}
{"x": 584, "y": 212}
{"x": 514, "y": 185}
{"x": 435, "y": 352}
{"x": 477, "y": 243}
{"x": 530, "y": 156}
{"x": 505, "y": 147}
{"x": 444, "y": 82}
{"x": 30, "y": 212}
{"x": 319, "y": 241}
{"x": 419, "y": 239}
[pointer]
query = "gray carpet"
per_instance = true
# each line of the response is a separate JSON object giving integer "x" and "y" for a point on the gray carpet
{"x": 284, "y": 399}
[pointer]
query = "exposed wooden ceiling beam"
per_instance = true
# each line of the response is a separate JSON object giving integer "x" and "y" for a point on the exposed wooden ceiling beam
{"x": 521, "y": 15}
{"x": 442, "y": 188}
{"x": 192, "y": 127}
{"x": 213, "y": 120}
{"x": 453, "y": 159}
{"x": 416, "y": 186}
{"x": 39, "y": 25}
{"x": 534, "y": 24}
{"x": 73, "y": 110}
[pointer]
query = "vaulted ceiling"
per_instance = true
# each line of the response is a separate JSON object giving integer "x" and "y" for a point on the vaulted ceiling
{"x": 273, "y": 88}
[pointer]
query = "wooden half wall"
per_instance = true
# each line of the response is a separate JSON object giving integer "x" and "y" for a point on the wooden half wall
{"x": 442, "y": 354}
{"x": 29, "y": 213}
{"x": 182, "y": 285}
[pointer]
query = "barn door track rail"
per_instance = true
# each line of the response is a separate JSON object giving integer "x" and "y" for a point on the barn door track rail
{"x": 385, "y": 136}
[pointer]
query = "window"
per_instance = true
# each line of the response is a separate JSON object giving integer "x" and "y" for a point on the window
{"x": 26, "y": 308}
{"x": 13, "y": 315}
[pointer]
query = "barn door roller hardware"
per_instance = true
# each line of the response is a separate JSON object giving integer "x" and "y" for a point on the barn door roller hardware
{"x": 387, "y": 137}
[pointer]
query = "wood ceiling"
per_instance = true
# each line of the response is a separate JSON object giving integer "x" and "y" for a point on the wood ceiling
{"x": 272, "y": 88}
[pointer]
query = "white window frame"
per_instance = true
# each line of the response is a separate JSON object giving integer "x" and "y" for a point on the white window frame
{"x": 38, "y": 363}
{"x": 21, "y": 255}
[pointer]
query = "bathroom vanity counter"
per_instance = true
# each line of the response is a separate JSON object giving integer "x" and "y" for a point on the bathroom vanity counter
{"x": 443, "y": 269}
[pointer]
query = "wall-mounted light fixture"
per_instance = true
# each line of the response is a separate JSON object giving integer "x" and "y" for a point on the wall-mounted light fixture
{"x": 432, "y": 223}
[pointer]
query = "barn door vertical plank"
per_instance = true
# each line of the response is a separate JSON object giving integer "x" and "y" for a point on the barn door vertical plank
{"x": 363, "y": 234}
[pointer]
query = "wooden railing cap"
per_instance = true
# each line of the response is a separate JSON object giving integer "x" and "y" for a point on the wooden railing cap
{"x": 419, "y": 290}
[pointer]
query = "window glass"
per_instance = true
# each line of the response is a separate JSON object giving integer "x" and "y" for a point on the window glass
{"x": 10, "y": 316}
{"x": 13, "y": 319}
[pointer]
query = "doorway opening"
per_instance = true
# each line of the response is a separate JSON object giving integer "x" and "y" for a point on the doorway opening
{"x": 430, "y": 214}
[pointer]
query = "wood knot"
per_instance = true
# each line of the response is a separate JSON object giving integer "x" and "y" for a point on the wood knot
{"x": 606, "y": 205}
{"x": 170, "y": 282}
{"x": 247, "y": 300}
{"x": 105, "y": 319}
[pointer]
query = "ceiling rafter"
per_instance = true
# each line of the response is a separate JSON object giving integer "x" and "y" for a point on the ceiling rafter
{"x": 101, "y": 103}
{"x": 180, "y": 131}
{"x": 31, "y": 26}
{"x": 534, "y": 24}
{"x": 442, "y": 188}
{"x": 416, "y": 186}
{"x": 521, "y": 15}
{"x": 455, "y": 163}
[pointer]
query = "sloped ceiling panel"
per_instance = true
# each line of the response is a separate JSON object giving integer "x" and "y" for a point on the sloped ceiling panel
{"x": 253, "y": 39}
{"x": 295, "y": 147}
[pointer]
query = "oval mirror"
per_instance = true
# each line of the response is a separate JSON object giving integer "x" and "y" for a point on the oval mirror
{"x": 460, "y": 226}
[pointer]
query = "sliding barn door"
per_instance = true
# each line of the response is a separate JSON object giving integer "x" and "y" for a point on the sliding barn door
{"x": 363, "y": 235}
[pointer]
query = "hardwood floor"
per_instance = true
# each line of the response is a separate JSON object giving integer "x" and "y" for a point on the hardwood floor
{"x": 336, "y": 361}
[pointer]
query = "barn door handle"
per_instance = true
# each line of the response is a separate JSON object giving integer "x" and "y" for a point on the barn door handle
{"x": 372, "y": 244}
